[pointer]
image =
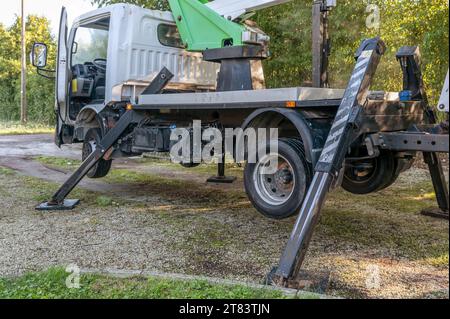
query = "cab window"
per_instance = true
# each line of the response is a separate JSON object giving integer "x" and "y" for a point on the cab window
{"x": 90, "y": 44}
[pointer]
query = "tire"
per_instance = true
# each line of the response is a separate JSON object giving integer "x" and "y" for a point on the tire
{"x": 401, "y": 165}
{"x": 371, "y": 175}
{"x": 279, "y": 195}
{"x": 102, "y": 167}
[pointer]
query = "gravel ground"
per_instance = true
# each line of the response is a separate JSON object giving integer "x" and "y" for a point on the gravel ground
{"x": 373, "y": 247}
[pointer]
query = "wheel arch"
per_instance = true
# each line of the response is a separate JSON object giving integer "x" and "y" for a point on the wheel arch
{"x": 89, "y": 117}
{"x": 276, "y": 116}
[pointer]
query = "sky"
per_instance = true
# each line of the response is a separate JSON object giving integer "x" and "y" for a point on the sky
{"x": 50, "y": 9}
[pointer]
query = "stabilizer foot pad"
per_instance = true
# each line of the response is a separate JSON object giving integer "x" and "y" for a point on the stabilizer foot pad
{"x": 435, "y": 212}
{"x": 221, "y": 179}
{"x": 67, "y": 205}
{"x": 317, "y": 282}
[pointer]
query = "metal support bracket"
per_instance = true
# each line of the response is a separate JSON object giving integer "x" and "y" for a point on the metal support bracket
{"x": 410, "y": 59}
{"x": 321, "y": 44}
{"x": 237, "y": 71}
{"x": 430, "y": 145}
{"x": 341, "y": 135}
{"x": 412, "y": 141}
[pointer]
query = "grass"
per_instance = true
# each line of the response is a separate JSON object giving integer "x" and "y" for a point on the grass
{"x": 58, "y": 162}
{"x": 51, "y": 284}
{"x": 375, "y": 221}
{"x": 6, "y": 171}
{"x": 204, "y": 169}
{"x": 37, "y": 190}
{"x": 16, "y": 128}
{"x": 382, "y": 221}
{"x": 170, "y": 188}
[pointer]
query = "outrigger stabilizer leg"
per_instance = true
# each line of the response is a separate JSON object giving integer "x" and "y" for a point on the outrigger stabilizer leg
{"x": 440, "y": 186}
{"x": 343, "y": 132}
{"x": 59, "y": 201}
{"x": 409, "y": 58}
{"x": 221, "y": 178}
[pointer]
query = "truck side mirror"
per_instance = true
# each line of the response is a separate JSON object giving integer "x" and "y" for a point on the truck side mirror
{"x": 39, "y": 55}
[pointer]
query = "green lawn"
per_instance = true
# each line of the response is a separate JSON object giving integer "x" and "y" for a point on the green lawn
{"x": 51, "y": 284}
{"x": 15, "y": 128}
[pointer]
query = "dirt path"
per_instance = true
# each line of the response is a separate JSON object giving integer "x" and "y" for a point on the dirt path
{"x": 173, "y": 221}
{"x": 35, "y": 145}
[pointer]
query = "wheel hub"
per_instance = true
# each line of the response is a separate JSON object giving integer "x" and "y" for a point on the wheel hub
{"x": 275, "y": 188}
{"x": 88, "y": 148}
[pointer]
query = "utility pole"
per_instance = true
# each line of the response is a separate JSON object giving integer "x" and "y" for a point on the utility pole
{"x": 23, "y": 80}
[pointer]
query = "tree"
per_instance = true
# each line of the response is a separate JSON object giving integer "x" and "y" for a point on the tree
{"x": 418, "y": 22}
{"x": 150, "y": 4}
{"x": 40, "y": 93}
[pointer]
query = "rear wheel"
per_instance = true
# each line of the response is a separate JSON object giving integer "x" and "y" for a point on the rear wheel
{"x": 102, "y": 167}
{"x": 371, "y": 175}
{"x": 278, "y": 193}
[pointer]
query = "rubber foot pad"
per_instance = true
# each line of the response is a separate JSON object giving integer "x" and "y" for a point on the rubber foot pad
{"x": 221, "y": 179}
{"x": 318, "y": 282}
{"x": 67, "y": 205}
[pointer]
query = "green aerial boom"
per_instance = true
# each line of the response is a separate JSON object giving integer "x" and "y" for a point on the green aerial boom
{"x": 207, "y": 25}
{"x": 201, "y": 28}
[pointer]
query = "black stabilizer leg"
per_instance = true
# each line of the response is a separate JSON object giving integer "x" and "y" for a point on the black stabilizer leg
{"x": 221, "y": 178}
{"x": 59, "y": 201}
{"x": 440, "y": 186}
{"x": 409, "y": 58}
{"x": 342, "y": 134}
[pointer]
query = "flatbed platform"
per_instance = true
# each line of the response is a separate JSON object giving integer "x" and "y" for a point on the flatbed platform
{"x": 301, "y": 96}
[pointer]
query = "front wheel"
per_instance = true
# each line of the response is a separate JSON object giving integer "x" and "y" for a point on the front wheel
{"x": 278, "y": 193}
{"x": 102, "y": 167}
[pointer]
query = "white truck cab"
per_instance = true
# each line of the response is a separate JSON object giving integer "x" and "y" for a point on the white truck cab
{"x": 111, "y": 54}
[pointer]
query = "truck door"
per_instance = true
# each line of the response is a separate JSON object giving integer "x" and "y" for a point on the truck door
{"x": 62, "y": 73}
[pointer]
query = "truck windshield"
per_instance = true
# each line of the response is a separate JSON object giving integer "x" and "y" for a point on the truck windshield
{"x": 90, "y": 44}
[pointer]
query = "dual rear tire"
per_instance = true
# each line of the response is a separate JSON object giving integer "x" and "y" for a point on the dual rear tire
{"x": 375, "y": 174}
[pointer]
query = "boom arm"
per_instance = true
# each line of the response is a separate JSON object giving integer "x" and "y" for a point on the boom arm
{"x": 233, "y": 9}
{"x": 210, "y": 25}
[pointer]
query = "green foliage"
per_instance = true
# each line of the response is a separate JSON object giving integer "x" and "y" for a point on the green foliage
{"x": 40, "y": 91}
{"x": 151, "y": 4}
{"x": 419, "y": 22}
{"x": 51, "y": 284}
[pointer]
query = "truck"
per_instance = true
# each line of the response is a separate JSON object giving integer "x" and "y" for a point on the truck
{"x": 130, "y": 80}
